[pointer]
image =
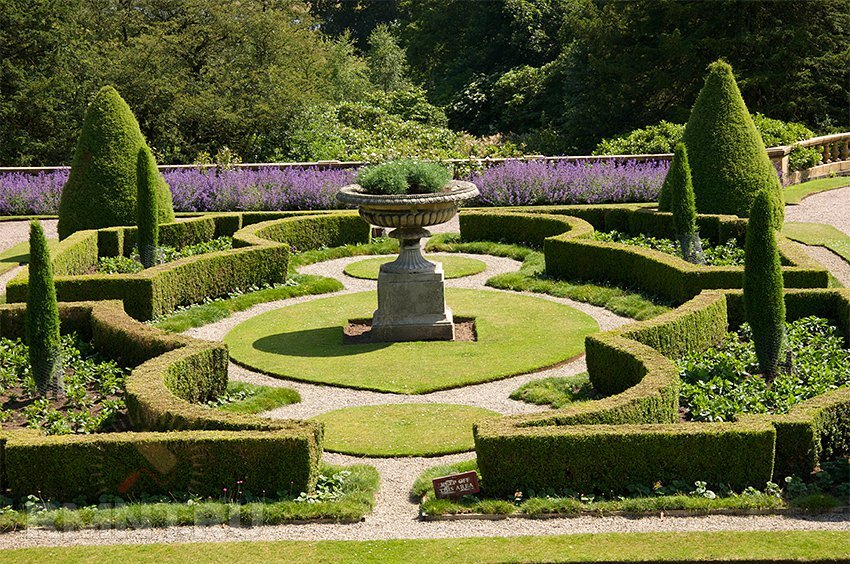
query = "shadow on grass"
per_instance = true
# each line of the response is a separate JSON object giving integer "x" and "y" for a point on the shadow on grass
{"x": 322, "y": 342}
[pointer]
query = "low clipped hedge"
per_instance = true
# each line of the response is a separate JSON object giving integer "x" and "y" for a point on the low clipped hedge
{"x": 203, "y": 450}
{"x": 619, "y": 440}
{"x": 261, "y": 256}
{"x": 572, "y": 254}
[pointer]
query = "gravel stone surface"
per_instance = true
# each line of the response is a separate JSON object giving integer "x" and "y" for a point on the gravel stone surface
{"x": 831, "y": 207}
{"x": 14, "y": 232}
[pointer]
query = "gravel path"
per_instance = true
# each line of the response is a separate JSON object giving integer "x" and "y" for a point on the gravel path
{"x": 831, "y": 207}
{"x": 14, "y": 232}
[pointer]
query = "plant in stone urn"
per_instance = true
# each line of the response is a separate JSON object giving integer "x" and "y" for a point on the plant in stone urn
{"x": 409, "y": 196}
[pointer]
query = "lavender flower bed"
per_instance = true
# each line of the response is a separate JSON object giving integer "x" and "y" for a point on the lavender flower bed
{"x": 525, "y": 183}
{"x": 515, "y": 183}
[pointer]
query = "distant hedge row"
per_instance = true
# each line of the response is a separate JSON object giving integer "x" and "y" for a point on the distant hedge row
{"x": 256, "y": 260}
{"x": 204, "y": 451}
{"x": 631, "y": 436}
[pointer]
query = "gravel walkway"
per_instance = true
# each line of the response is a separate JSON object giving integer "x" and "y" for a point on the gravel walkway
{"x": 831, "y": 207}
{"x": 14, "y": 232}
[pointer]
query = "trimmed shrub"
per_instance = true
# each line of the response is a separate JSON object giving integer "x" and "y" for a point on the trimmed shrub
{"x": 763, "y": 287}
{"x": 728, "y": 160}
{"x": 519, "y": 228}
{"x": 43, "y": 317}
{"x": 147, "y": 219}
{"x": 101, "y": 188}
{"x": 683, "y": 207}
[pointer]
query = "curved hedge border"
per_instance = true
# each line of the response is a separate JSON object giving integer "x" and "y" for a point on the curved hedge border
{"x": 261, "y": 256}
{"x": 573, "y": 254}
{"x": 204, "y": 451}
{"x": 634, "y": 441}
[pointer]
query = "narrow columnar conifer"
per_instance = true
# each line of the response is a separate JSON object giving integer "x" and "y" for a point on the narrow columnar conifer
{"x": 43, "y": 317}
{"x": 146, "y": 208}
{"x": 764, "y": 289}
{"x": 682, "y": 205}
{"x": 728, "y": 160}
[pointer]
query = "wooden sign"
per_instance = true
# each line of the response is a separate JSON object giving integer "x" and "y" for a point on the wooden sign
{"x": 456, "y": 485}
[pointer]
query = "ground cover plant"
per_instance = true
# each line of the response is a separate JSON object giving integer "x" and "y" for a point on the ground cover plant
{"x": 727, "y": 254}
{"x": 401, "y": 429}
{"x": 453, "y": 267}
{"x": 531, "y": 277}
{"x": 556, "y": 392}
{"x": 304, "y": 342}
{"x": 242, "y": 397}
{"x": 164, "y": 254}
{"x": 343, "y": 493}
{"x": 91, "y": 401}
{"x": 722, "y": 382}
{"x": 824, "y": 490}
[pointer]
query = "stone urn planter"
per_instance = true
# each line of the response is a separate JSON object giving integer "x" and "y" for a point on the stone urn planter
{"x": 411, "y": 290}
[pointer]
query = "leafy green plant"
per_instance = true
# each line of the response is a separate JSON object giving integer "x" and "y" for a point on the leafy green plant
{"x": 129, "y": 265}
{"x": 728, "y": 254}
{"x": 45, "y": 354}
{"x": 403, "y": 177}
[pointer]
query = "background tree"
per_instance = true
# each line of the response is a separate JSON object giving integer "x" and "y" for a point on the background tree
{"x": 387, "y": 62}
{"x": 45, "y": 353}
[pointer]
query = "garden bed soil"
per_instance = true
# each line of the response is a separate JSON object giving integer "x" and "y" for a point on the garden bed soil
{"x": 12, "y": 403}
{"x": 359, "y": 331}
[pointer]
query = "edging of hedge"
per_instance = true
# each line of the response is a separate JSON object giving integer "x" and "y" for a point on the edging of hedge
{"x": 256, "y": 260}
{"x": 202, "y": 450}
{"x": 539, "y": 451}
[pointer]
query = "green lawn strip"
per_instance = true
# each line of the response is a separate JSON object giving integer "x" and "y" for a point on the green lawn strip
{"x": 19, "y": 254}
{"x": 260, "y": 398}
{"x": 796, "y": 193}
{"x": 714, "y": 546}
{"x": 26, "y": 217}
{"x": 531, "y": 503}
{"x": 378, "y": 246}
{"x": 531, "y": 278}
{"x": 353, "y": 499}
{"x": 453, "y": 267}
{"x": 821, "y": 235}
{"x": 515, "y": 335}
{"x": 556, "y": 392}
{"x": 424, "y": 429}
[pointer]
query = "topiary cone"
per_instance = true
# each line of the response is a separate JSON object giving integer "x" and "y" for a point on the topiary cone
{"x": 101, "y": 189}
{"x": 43, "y": 316}
{"x": 146, "y": 206}
{"x": 682, "y": 205}
{"x": 729, "y": 163}
{"x": 764, "y": 289}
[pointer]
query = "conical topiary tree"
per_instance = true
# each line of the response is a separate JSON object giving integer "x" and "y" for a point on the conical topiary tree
{"x": 146, "y": 206}
{"x": 682, "y": 205}
{"x": 101, "y": 189}
{"x": 763, "y": 286}
{"x": 728, "y": 160}
{"x": 43, "y": 317}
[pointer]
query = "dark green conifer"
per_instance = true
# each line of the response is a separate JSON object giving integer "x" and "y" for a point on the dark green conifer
{"x": 728, "y": 160}
{"x": 764, "y": 289}
{"x": 101, "y": 189}
{"x": 43, "y": 317}
{"x": 682, "y": 205}
{"x": 146, "y": 206}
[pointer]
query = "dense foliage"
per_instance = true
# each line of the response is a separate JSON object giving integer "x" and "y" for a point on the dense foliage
{"x": 721, "y": 382}
{"x": 134, "y": 263}
{"x": 403, "y": 177}
{"x": 146, "y": 208}
{"x": 728, "y": 254}
{"x": 681, "y": 190}
{"x": 45, "y": 356}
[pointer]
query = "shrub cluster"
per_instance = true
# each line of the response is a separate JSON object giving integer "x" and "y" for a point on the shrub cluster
{"x": 403, "y": 177}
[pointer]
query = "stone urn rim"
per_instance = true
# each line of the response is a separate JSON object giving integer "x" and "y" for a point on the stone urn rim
{"x": 457, "y": 191}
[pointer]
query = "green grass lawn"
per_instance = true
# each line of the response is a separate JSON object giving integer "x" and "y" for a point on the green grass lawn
{"x": 402, "y": 429}
{"x": 795, "y": 194}
{"x": 748, "y": 546}
{"x": 820, "y": 235}
{"x": 19, "y": 254}
{"x": 516, "y": 334}
{"x": 257, "y": 399}
{"x": 555, "y": 392}
{"x": 453, "y": 267}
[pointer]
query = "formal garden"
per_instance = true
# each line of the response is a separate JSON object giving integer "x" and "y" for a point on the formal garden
{"x": 405, "y": 354}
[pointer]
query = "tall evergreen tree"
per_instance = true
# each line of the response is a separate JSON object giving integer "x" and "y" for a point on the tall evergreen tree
{"x": 682, "y": 205}
{"x": 146, "y": 206}
{"x": 43, "y": 317}
{"x": 764, "y": 290}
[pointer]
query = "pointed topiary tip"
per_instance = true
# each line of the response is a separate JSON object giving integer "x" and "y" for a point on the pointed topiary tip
{"x": 719, "y": 67}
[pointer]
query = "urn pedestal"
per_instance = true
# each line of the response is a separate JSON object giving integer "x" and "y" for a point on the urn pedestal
{"x": 411, "y": 290}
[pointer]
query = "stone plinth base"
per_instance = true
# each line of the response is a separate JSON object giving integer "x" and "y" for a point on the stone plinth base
{"x": 412, "y": 307}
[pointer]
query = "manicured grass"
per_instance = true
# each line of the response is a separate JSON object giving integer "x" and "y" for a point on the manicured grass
{"x": 531, "y": 278}
{"x": 741, "y": 546}
{"x": 402, "y": 429}
{"x": 516, "y": 334}
{"x": 821, "y": 235}
{"x": 19, "y": 254}
{"x": 795, "y": 194}
{"x": 258, "y": 398}
{"x": 556, "y": 392}
{"x": 536, "y": 503}
{"x": 350, "y": 501}
{"x": 453, "y": 267}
